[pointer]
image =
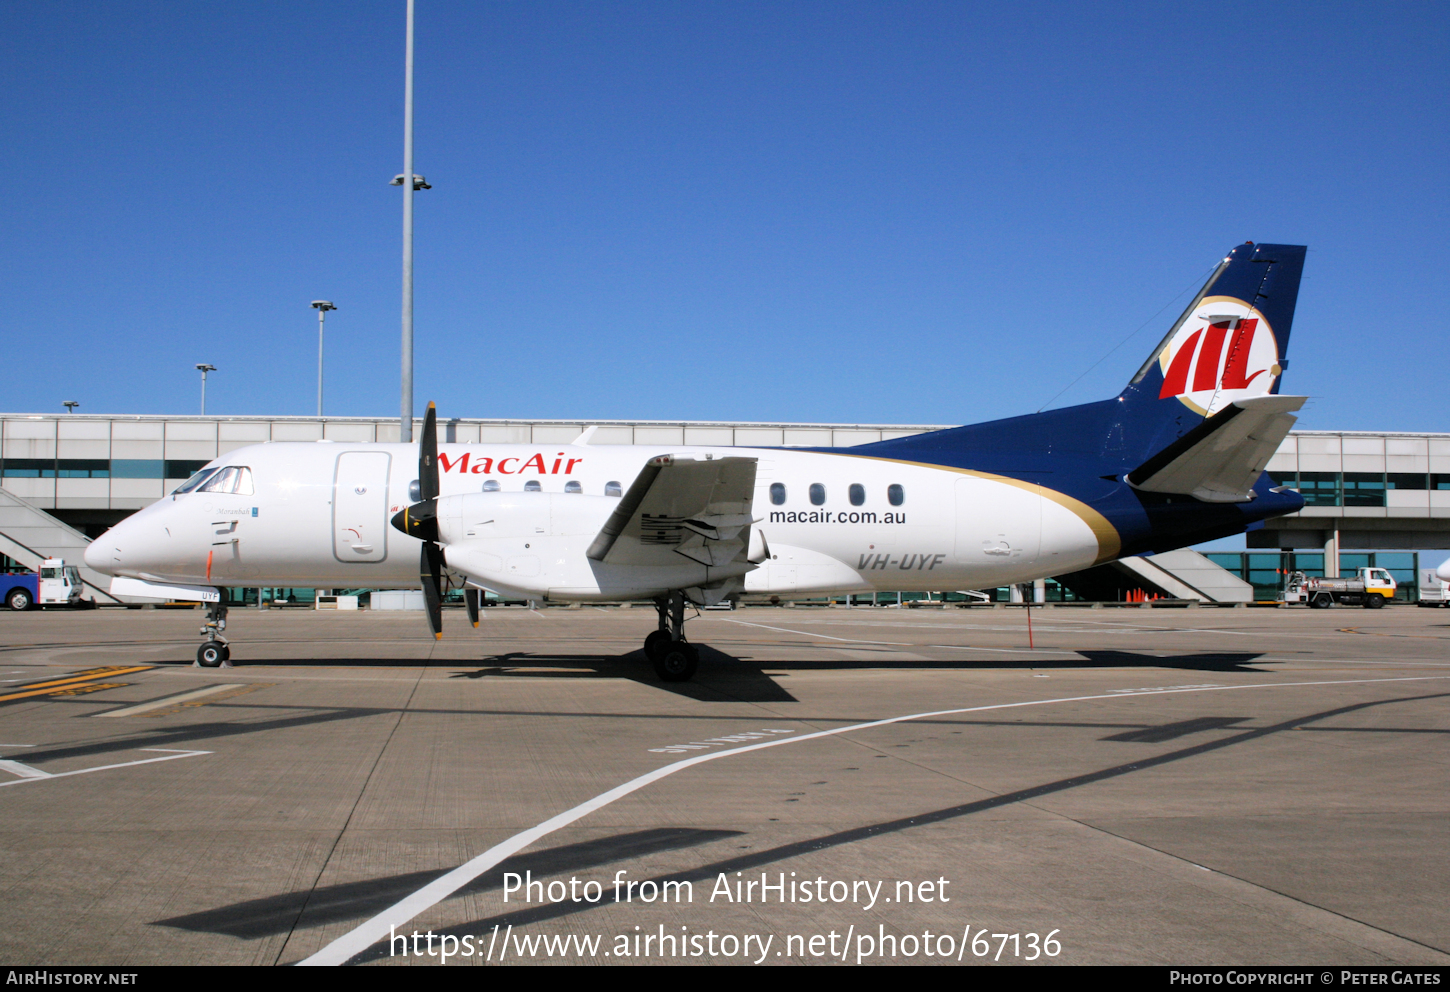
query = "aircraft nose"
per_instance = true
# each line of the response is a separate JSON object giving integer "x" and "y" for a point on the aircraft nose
{"x": 101, "y": 553}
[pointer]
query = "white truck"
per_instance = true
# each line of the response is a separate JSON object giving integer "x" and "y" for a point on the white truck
{"x": 1434, "y": 591}
{"x": 1368, "y": 587}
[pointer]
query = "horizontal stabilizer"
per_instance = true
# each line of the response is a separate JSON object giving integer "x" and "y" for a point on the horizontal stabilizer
{"x": 1220, "y": 460}
{"x": 680, "y": 505}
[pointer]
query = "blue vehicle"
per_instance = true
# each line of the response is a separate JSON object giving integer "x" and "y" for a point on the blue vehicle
{"x": 56, "y": 584}
{"x": 20, "y": 589}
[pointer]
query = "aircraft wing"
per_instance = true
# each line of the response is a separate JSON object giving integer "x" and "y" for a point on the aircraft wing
{"x": 1220, "y": 460}
{"x": 679, "y": 505}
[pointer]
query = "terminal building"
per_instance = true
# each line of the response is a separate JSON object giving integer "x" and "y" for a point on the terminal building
{"x": 1373, "y": 498}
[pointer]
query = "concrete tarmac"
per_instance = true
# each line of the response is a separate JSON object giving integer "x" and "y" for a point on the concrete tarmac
{"x": 1161, "y": 786}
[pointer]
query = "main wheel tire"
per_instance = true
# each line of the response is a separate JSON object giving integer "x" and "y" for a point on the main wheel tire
{"x": 1374, "y": 601}
{"x": 677, "y": 662}
{"x": 656, "y": 640}
{"x": 211, "y": 654}
{"x": 19, "y": 599}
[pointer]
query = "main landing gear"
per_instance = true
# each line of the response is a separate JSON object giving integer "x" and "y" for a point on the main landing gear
{"x": 215, "y": 652}
{"x": 675, "y": 659}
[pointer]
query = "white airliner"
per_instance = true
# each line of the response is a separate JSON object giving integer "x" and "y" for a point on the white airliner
{"x": 1177, "y": 458}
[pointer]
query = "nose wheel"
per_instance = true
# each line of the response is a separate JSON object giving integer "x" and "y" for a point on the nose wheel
{"x": 674, "y": 659}
{"x": 214, "y": 651}
{"x": 213, "y": 654}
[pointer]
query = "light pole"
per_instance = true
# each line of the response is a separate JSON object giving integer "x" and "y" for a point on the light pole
{"x": 322, "y": 307}
{"x": 418, "y": 182}
{"x": 203, "y": 368}
{"x": 70, "y": 406}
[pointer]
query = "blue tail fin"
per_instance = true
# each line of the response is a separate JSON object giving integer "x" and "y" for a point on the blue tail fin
{"x": 1231, "y": 343}
{"x": 1233, "y": 340}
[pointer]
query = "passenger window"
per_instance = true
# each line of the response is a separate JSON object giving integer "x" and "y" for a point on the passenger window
{"x": 490, "y": 485}
{"x": 234, "y": 479}
{"x": 573, "y": 487}
{"x": 533, "y": 486}
{"x": 818, "y": 494}
{"x": 777, "y": 493}
{"x": 857, "y": 492}
{"x": 194, "y": 481}
{"x": 895, "y": 495}
{"x": 613, "y": 489}
{"x": 415, "y": 491}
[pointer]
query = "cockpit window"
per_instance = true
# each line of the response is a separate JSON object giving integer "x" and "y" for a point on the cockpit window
{"x": 194, "y": 481}
{"x": 490, "y": 485}
{"x": 234, "y": 479}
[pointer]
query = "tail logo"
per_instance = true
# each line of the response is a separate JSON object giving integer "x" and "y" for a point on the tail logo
{"x": 1225, "y": 351}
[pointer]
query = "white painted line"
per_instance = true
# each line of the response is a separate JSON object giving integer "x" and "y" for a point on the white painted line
{"x": 369, "y": 932}
{"x": 24, "y": 771}
{"x": 165, "y": 701}
{"x": 103, "y": 768}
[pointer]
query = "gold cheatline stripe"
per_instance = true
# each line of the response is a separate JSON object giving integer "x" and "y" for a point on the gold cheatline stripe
{"x": 1110, "y": 542}
{"x": 55, "y": 685}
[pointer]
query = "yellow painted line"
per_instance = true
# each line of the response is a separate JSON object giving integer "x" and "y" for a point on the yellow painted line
{"x": 80, "y": 679}
{"x": 193, "y": 697}
{"x": 89, "y": 673}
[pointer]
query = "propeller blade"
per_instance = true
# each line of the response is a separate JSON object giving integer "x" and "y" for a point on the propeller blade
{"x": 470, "y": 599}
{"x": 430, "y": 570}
{"x": 428, "y": 456}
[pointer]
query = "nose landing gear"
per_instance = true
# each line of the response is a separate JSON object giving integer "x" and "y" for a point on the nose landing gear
{"x": 675, "y": 659}
{"x": 214, "y": 652}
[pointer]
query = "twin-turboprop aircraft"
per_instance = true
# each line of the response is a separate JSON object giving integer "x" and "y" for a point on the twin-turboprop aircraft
{"x": 1177, "y": 458}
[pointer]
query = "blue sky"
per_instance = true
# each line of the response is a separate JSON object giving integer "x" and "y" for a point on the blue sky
{"x": 806, "y": 211}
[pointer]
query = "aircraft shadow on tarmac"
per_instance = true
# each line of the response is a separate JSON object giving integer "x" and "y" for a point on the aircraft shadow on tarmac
{"x": 725, "y": 677}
